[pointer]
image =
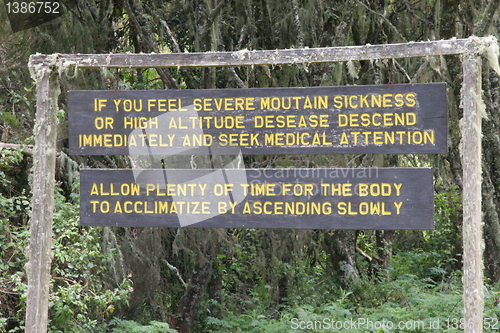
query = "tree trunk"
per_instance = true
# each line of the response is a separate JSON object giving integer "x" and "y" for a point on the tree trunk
{"x": 195, "y": 293}
{"x": 340, "y": 245}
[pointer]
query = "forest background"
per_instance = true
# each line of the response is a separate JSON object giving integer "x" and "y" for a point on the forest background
{"x": 248, "y": 280}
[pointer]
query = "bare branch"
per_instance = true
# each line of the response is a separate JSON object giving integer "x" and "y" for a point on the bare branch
{"x": 210, "y": 20}
{"x": 401, "y": 69}
{"x": 364, "y": 254}
{"x": 171, "y": 36}
{"x": 420, "y": 71}
{"x": 393, "y": 28}
{"x": 176, "y": 270}
{"x": 237, "y": 78}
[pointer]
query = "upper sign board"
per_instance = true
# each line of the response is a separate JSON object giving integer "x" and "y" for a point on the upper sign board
{"x": 406, "y": 118}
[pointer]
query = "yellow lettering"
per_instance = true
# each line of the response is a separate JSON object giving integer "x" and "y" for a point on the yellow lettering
{"x": 337, "y": 102}
{"x": 398, "y": 207}
{"x": 411, "y": 118}
{"x": 94, "y": 190}
{"x": 118, "y": 207}
{"x": 99, "y": 104}
{"x": 386, "y": 100}
{"x": 398, "y": 188}
{"x": 410, "y": 99}
{"x": 398, "y": 100}
{"x": 429, "y": 137}
{"x": 343, "y": 120}
{"x": 351, "y": 103}
{"x": 341, "y": 208}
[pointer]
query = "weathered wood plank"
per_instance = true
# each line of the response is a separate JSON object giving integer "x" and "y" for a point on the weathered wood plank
{"x": 256, "y": 57}
{"x": 470, "y": 146}
{"x": 28, "y": 149}
{"x": 43, "y": 201}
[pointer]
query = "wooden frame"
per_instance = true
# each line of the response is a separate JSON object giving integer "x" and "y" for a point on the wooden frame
{"x": 45, "y": 68}
{"x": 250, "y": 58}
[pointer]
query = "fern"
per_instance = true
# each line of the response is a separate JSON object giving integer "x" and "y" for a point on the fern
{"x": 129, "y": 326}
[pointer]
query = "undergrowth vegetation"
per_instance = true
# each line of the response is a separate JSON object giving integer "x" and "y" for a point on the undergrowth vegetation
{"x": 420, "y": 290}
{"x": 81, "y": 299}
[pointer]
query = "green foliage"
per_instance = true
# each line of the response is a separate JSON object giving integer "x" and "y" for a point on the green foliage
{"x": 9, "y": 157}
{"x": 407, "y": 304}
{"x": 133, "y": 79}
{"x": 446, "y": 238}
{"x": 424, "y": 265}
{"x": 16, "y": 108}
{"x": 433, "y": 254}
{"x": 13, "y": 240}
{"x": 80, "y": 298}
{"x": 10, "y": 119}
{"x": 129, "y": 326}
{"x": 247, "y": 322}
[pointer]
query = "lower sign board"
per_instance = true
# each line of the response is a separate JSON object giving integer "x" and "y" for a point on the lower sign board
{"x": 367, "y": 198}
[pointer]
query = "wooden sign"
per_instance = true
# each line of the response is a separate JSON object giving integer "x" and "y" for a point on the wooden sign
{"x": 408, "y": 118}
{"x": 369, "y": 198}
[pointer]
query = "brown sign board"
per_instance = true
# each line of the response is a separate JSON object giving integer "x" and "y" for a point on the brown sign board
{"x": 365, "y": 198}
{"x": 399, "y": 118}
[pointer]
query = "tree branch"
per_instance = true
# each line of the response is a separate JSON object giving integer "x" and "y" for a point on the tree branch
{"x": 176, "y": 270}
{"x": 210, "y": 21}
{"x": 171, "y": 36}
{"x": 396, "y": 31}
{"x": 148, "y": 45}
{"x": 237, "y": 78}
{"x": 298, "y": 25}
{"x": 401, "y": 69}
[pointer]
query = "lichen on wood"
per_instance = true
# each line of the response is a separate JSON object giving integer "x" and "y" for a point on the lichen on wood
{"x": 43, "y": 199}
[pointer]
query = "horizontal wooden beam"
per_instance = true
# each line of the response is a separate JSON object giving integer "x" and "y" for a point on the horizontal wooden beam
{"x": 28, "y": 150}
{"x": 250, "y": 58}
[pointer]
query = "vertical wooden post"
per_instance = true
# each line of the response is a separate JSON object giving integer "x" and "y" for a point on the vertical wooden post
{"x": 43, "y": 200}
{"x": 470, "y": 146}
